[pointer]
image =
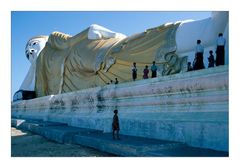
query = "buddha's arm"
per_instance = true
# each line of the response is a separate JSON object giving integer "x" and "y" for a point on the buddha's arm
{"x": 77, "y": 38}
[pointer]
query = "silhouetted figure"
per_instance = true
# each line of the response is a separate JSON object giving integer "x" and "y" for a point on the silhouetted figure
{"x": 145, "y": 72}
{"x": 190, "y": 68}
{"x": 134, "y": 71}
{"x": 210, "y": 59}
{"x": 220, "y": 49}
{"x": 198, "y": 61}
{"x": 115, "y": 125}
{"x": 111, "y": 81}
{"x": 116, "y": 81}
{"x": 154, "y": 70}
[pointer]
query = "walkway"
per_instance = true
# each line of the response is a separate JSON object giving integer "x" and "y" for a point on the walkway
{"x": 126, "y": 146}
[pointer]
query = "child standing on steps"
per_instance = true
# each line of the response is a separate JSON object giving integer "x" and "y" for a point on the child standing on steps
{"x": 115, "y": 125}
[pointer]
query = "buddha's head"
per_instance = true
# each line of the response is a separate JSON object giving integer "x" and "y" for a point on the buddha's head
{"x": 34, "y": 47}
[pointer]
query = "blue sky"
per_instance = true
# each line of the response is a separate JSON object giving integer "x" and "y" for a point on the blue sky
{"x": 25, "y": 25}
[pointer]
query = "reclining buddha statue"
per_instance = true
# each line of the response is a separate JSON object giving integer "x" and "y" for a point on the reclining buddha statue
{"x": 62, "y": 63}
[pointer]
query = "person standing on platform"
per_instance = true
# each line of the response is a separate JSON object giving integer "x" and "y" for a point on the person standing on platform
{"x": 198, "y": 62}
{"x": 134, "y": 71}
{"x": 221, "y": 41}
{"x": 190, "y": 68}
{"x": 115, "y": 125}
{"x": 210, "y": 59}
{"x": 145, "y": 72}
{"x": 116, "y": 81}
{"x": 154, "y": 70}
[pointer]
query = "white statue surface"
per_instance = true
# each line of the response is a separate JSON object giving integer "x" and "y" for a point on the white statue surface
{"x": 32, "y": 50}
{"x": 96, "y": 55}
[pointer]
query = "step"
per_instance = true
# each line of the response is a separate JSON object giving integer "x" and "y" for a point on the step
{"x": 126, "y": 146}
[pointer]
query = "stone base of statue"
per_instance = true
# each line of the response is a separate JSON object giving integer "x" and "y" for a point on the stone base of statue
{"x": 190, "y": 108}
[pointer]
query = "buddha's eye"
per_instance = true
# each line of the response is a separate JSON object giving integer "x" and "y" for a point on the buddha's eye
{"x": 34, "y": 43}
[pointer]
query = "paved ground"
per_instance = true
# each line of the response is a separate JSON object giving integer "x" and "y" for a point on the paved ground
{"x": 28, "y": 144}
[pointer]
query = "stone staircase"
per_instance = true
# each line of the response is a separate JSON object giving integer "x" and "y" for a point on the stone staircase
{"x": 130, "y": 146}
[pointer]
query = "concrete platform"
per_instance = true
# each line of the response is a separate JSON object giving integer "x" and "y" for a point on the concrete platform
{"x": 190, "y": 108}
{"x": 126, "y": 146}
{"x": 27, "y": 144}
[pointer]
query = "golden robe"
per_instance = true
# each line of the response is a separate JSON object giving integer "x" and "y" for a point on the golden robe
{"x": 70, "y": 63}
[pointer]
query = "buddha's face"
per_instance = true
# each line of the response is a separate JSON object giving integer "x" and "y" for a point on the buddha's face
{"x": 34, "y": 47}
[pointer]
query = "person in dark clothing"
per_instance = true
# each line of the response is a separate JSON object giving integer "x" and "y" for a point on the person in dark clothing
{"x": 190, "y": 68}
{"x": 220, "y": 50}
{"x": 115, "y": 125}
{"x": 145, "y": 72}
{"x": 154, "y": 70}
{"x": 134, "y": 71}
{"x": 116, "y": 81}
{"x": 198, "y": 61}
{"x": 210, "y": 59}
